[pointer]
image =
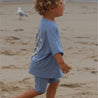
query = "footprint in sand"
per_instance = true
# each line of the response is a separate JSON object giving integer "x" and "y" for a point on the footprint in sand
{"x": 71, "y": 85}
{"x": 11, "y": 53}
{"x": 96, "y": 60}
{"x": 10, "y": 67}
{"x": 86, "y": 93}
{"x": 7, "y": 52}
{"x": 8, "y": 88}
{"x": 25, "y": 80}
{"x": 93, "y": 57}
{"x": 87, "y": 68}
{"x": 23, "y": 49}
{"x": 12, "y": 38}
{"x": 3, "y": 87}
{"x": 96, "y": 44}
{"x": 17, "y": 30}
{"x": 94, "y": 72}
{"x": 1, "y": 84}
{"x": 91, "y": 70}
{"x": 82, "y": 37}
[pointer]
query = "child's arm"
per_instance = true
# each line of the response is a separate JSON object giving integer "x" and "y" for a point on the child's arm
{"x": 64, "y": 67}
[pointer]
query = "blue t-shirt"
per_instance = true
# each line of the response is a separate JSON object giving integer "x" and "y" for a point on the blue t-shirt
{"x": 48, "y": 43}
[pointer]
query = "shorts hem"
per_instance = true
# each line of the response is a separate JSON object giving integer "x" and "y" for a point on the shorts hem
{"x": 39, "y": 91}
{"x": 55, "y": 81}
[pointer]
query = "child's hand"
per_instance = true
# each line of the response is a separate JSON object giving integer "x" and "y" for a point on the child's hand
{"x": 65, "y": 68}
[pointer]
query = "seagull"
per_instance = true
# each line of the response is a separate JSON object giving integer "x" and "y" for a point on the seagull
{"x": 20, "y": 13}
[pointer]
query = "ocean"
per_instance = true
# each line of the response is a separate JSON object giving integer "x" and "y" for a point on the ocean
{"x": 32, "y": 0}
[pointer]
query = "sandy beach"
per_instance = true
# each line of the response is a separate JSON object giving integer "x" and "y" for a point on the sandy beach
{"x": 78, "y": 28}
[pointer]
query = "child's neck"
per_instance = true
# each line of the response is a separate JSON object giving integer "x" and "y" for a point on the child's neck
{"x": 49, "y": 18}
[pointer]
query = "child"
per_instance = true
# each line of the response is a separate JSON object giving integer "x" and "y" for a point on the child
{"x": 47, "y": 64}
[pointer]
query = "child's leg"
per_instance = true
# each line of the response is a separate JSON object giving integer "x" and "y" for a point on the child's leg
{"x": 40, "y": 87}
{"x": 29, "y": 94}
{"x": 51, "y": 91}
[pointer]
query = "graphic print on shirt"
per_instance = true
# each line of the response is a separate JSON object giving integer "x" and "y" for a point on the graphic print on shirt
{"x": 38, "y": 43}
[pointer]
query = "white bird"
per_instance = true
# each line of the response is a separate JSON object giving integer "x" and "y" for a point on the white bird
{"x": 20, "y": 13}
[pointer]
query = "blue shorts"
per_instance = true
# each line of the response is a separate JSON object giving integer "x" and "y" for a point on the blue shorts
{"x": 41, "y": 83}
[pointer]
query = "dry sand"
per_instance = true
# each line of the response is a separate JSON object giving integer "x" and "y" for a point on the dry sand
{"x": 78, "y": 29}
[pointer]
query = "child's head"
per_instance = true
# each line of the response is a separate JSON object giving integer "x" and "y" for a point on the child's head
{"x": 44, "y": 6}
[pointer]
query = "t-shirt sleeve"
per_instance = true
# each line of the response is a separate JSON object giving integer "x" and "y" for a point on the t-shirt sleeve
{"x": 54, "y": 41}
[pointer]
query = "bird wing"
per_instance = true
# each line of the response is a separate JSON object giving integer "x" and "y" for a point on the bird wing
{"x": 21, "y": 13}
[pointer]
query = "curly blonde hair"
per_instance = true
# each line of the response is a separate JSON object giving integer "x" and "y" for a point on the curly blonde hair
{"x": 42, "y": 6}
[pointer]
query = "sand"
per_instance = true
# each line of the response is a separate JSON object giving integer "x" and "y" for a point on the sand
{"x": 78, "y": 29}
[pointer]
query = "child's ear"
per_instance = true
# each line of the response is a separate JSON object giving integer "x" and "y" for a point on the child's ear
{"x": 51, "y": 8}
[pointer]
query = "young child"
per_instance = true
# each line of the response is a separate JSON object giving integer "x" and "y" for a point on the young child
{"x": 47, "y": 64}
